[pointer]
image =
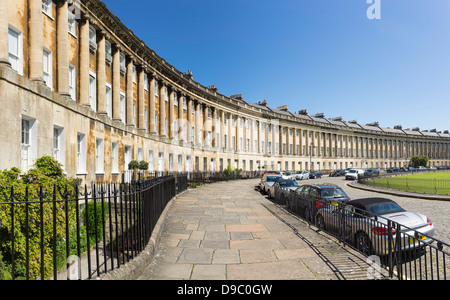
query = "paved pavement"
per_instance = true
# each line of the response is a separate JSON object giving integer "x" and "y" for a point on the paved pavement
{"x": 229, "y": 231}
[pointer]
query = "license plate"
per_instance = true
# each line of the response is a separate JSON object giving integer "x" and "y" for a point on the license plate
{"x": 412, "y": 241}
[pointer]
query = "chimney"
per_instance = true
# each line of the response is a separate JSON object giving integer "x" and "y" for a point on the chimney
{"x": 376, "y": 124}
{"x": 283, "y": 108}
{"x": 398, "y": 127}
{"x": 303, "y": 112}
{"x": 319, "y": 115}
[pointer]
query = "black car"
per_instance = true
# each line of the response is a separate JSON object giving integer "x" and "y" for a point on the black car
{"x": 371, "y": 173}
{"x": 307, "y": 199}
{"x": 337, "y": 173}
{"x": 393, "y": 170}
{"x": 315, "y": 174}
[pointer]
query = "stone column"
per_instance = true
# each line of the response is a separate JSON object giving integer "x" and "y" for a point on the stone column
{"x": 197, "y": 124}
{"x": 62, "y": 28}
{"x": 162, "y": 109}
{"x": 180, "y": 116}
{"x": 101, "y": 73}
{"x": 152, "y": 108}
{"x": 171, "y": 118}
{"x": 36, "y": 37}
{"x": 116, "y": 84}
{"x": 4, "y": 51}
{"x": 230, "y": 131}
{"x": 189, "y": 121}
{"x": 84, "y": 62}
{"x": 141, "y": 100}
{"x": 129, "y": 92}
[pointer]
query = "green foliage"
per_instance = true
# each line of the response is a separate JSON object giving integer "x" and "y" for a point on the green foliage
{"x": 231, "y": 173}
{"x": 419, "y": 160}
{"x": 97, "y": 212}
{"x": 45, "y": 176}
{"x": 143, "y": 165}
{"x": 195, "y": 184}
{"x": 133, "y": 165}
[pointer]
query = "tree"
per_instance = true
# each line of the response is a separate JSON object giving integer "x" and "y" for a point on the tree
{"x": 419, "y": 160}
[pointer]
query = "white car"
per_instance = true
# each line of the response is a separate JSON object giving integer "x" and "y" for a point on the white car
{"x": 287, "y": 175}
{"x": 353, "y": 174}
{"x": 300, "y": 175}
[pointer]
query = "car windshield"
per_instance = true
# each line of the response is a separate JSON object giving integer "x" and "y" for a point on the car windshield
{"x": 332, "y": 193}
{"x": 289, "y": 183}
{"x": 385, "y": 208}
{"x": 352, "y": 171}
{"x": 273, "y": 178}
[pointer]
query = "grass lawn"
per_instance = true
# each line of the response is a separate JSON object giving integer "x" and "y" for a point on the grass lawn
{"x": 428, "y": 183}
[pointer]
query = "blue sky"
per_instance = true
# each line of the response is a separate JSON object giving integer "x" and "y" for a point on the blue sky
{"x": 325, "y": 56}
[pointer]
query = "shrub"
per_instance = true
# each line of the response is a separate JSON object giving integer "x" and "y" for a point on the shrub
{"x": 133, "y": 165}
{"x": 97, "y": 212}
{"x": 45, "y": 176}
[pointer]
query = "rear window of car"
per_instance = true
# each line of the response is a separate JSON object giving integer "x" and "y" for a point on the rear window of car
{"x": 273, "y": 178}
{"x": 289, "y": 183}
{"x": 333, "y": 193}
{"x": 385, "y": 208}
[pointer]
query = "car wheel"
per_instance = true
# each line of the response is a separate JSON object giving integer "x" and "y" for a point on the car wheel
{"x": 363, "y": 243}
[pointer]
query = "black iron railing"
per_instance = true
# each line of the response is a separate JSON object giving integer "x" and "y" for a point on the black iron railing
{"x": 81, "y": 234}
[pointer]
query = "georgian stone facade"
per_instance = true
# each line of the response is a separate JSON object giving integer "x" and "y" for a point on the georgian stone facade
{"x": 76, "y": 84}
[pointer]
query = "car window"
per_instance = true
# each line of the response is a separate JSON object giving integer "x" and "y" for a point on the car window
{"x": 289, "y": 183}
{"x": 333, "y": 193}
{"x": 272, "y": 178}
{"x": 299, "y": 190}
{"x": 385, "y": 208}
{"x": 305, "y": 191}
{"x": 314, "y": 193}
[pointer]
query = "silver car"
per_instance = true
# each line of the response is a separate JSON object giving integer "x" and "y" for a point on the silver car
{"x": 300, "y": 175}
{"x": 267, "y": 181}
{"x": 281, "y": 189}
{"x": 372, "y": 225}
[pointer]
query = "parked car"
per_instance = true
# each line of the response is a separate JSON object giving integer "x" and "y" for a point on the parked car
{"x": 421, "y": 168}
{"x": 338, "y": 173}
{"x": 267, "y": 181}
{"x": 306, "y": 199}
{"x": 315, "y": 174}
{"x": 286, "y": 175}
{"x": 280, "y": 190}
{"x": 353, "y": 174}
{"x": 371, "y": 173}
{"x": 393, "y": 170}
{"x": 300, "y": 175}
{"x": 412, "y": 169}
{"x": 366, "y": 225}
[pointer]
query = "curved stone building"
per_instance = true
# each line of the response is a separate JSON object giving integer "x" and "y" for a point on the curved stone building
{"x": 77, "y": 84}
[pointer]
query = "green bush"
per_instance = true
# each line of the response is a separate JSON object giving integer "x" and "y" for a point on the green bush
{"x": 133, "y": 165}
{"x": 95, "y": 214}
{"x": 46, "y": 175}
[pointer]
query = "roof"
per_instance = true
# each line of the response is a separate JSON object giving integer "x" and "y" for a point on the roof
{"x": 324, "y": 186}
{"x": 366, "y": 203}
